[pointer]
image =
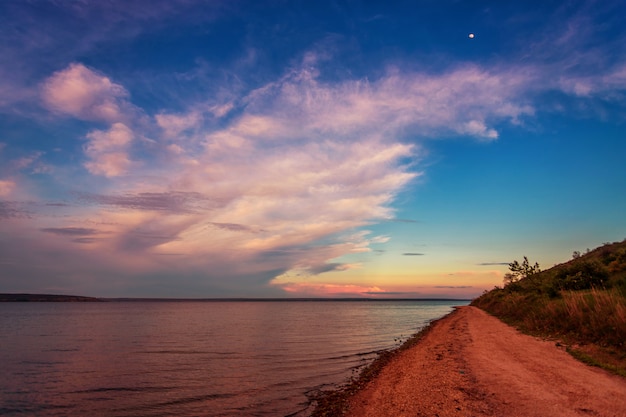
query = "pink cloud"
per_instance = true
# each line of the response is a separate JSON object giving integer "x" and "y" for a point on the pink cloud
{"x": 108, "y": 151}
{"x": 609, "y": 86}
{"x": 175, "y": 124}
{"x": 6, "y": 187}
{"x": 330, "y": 290}
{"x": 304, "y": 166}
{"x": 85, "y": 94}
{"x": 462, "y": 100}
{"x": 280, "y": 189}
{"x": 110, "y": 164}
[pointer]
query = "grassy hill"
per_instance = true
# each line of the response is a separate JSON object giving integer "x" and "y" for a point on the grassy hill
{"x": 581, "y": 304}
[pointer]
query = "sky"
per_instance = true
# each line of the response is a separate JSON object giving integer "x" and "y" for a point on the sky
{"x": 208, "y": 149}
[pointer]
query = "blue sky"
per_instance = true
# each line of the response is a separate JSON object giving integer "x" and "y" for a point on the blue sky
{"x": 274, "y": 148}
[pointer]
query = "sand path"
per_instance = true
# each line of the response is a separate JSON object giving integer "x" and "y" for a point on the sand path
{"x": 472, "y": 364}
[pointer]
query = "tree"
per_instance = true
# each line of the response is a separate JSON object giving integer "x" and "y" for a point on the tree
{"x": 520, "y": 271}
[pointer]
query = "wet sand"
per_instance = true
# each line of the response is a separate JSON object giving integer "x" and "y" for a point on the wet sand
{"x": 472, "y": 364}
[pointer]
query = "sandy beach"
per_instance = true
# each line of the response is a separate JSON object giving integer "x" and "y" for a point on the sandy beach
{"x": 472, "y": 364}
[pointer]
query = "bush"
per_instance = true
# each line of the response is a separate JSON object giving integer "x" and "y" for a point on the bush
{"x": 617, "y": 262}
{"x": 581, "y": 276}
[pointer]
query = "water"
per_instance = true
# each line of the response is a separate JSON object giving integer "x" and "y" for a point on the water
{"x": 226, "y": 358}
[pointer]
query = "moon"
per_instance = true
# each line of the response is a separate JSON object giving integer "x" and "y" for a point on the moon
{"x": 471, "y": 36}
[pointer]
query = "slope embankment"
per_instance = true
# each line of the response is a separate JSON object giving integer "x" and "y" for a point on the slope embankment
{"x": 472, "y": 364}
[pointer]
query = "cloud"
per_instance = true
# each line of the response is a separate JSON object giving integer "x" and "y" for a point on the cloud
{"x": 109, "y": 164}
{"x": 70, "y": 231}
{"x": 412, "y": 254}
{"x": 233, "y": 227}
{"x": 148, "y": 235}
{"x": 80, "y": 235}
{"x": 462, "y": 100}
{"x": 26, "y": 161}
{"x": 173, "y": 202}
{"x": 479, "y": 129}
{"x": 6, "y": 187}
{"x": 108, "y": 151}
{"x": 85, "y": 94}
{"x": 493, "y": 263}
{"x": 175, "y": 124}
{"x": 330, "y": 290}
{"x": 328, "y": 267}
{"x": 395, "y": 293}
{"x": 573, "y": 55}
{"x": 453, "y": 286}
{"x": 403, "y": 221}
{"x": 278, "y": 190}
{"x": 12, "y": 210}
{"x": 610, "y": 86}
{"x": 475, "y": 276}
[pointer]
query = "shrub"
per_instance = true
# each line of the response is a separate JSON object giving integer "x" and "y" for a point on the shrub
{"x": 581, "y": 276}
{"x": 617, "y": 262}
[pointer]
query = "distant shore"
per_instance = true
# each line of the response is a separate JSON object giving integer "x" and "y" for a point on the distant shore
{"x": 69, "y": 298}
{"x": 45, "y": 298}
{"x": 471, "y": 364}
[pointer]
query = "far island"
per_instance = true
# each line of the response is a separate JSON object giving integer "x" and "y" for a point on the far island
{"x": 45, "y": 298}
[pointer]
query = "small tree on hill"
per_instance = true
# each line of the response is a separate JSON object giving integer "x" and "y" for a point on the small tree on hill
{"x": 520, "y": 271}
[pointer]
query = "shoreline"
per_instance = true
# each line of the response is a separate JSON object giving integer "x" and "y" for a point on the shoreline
{"x": 335, "y": 402}
{"x": 469, "y": 363}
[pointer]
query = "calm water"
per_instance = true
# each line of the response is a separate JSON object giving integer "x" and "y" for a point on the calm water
{"x": 190, "y": 358}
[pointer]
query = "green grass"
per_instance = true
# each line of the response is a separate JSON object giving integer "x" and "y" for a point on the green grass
{"x": 598, "y": 360}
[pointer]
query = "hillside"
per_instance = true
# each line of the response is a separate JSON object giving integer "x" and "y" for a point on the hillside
{"x": 581, "y": 304}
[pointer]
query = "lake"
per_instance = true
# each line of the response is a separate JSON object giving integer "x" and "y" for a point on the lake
{"x": 192, "y": 358}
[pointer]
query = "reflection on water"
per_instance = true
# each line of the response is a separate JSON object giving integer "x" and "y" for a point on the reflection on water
{"x": 254, "y": 358}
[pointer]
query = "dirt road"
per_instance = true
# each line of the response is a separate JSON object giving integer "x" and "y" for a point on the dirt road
{"x": 471, "y": 364}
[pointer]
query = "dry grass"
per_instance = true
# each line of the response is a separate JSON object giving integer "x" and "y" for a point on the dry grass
{"x": 594, "y": 316}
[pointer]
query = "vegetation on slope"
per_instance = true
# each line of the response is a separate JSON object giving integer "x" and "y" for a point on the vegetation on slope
{"x": 581, "y": 303}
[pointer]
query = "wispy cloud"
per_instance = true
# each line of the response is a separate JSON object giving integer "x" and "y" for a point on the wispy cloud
{"x": 6, "y": 187}
{"x": 10, "y": 209}
{"x": 412, "y": 254}
{"x": 70, "y": 231}
{"x": 233, "y": 227}
{"x": 453, "y": 286}
{"x": 174, "y": 125}
{"x": 174, "y": 202}
{"x": 331, "y": 290}
{"x": 403, "y": 221}
{"x": 463, "y": 100}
